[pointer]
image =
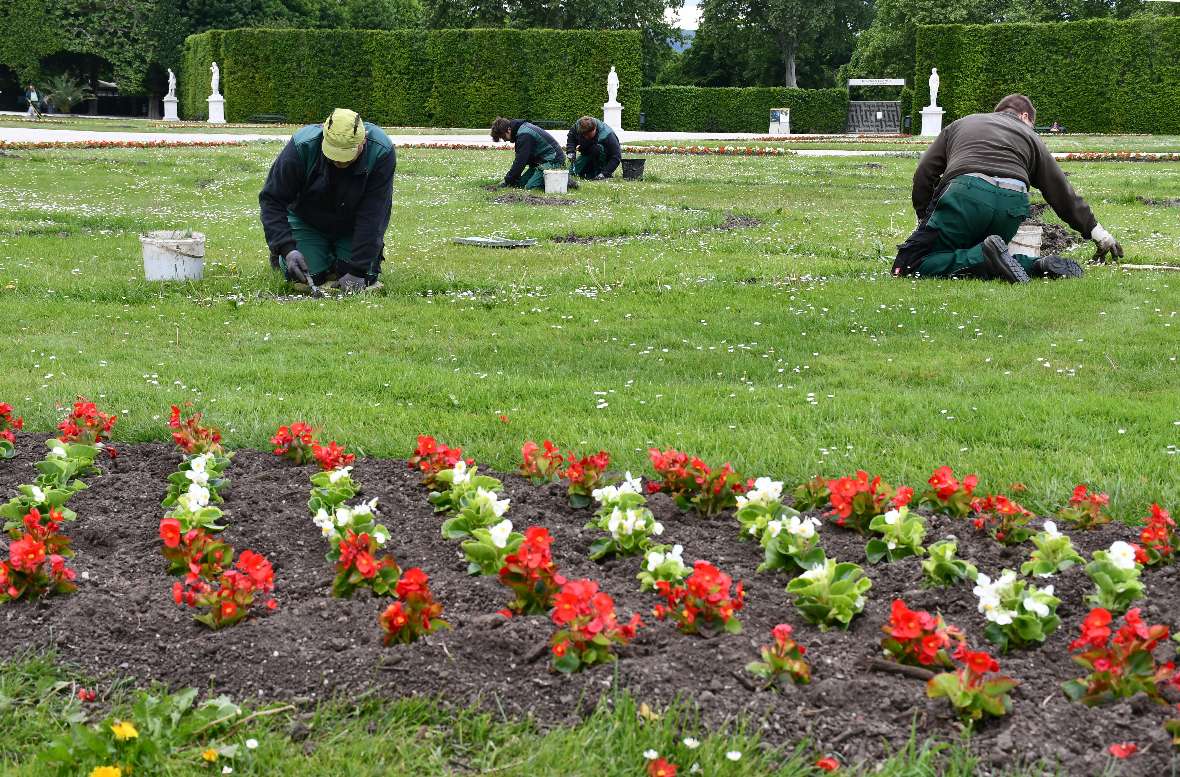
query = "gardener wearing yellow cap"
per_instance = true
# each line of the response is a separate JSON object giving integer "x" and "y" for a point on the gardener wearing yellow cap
{"x": 326, "y": 202}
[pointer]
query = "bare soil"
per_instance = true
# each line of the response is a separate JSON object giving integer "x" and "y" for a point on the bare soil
{"x": 122, "y": 622}
{"x": 1055, "y": 239}
{"x": 523, "y": 198}
{"x": 1173, "y": 202}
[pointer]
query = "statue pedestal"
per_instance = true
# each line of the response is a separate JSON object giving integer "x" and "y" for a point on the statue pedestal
{"x": 216, "y": 109}
{"x": 170, "y": 109}
{"x": 932, "y": 121}
{"x": 612, "y": 115}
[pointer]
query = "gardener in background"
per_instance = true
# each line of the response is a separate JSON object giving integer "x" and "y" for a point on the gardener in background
{"x": 971, "y": 195}
{"x": 535, "y": 149}
{"x": 599, "y": 152}
{"x": 326, "y": 203}
{"x": 34, "y": 101}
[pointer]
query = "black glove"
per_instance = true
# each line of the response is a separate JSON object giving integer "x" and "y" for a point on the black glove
{"x": 350, "y": 284}
{"x": 296, "y": 266}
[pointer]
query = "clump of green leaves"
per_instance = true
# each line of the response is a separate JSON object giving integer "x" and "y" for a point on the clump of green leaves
{"x": 902, "y": 533}
{"x": 1054, "y": 552}
{"x": 830, "y": 594}
{"x": 943, "y": 568}
{"x": 1115, "y": 573}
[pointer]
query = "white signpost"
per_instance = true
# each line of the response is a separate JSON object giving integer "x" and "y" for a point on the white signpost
{"x": 880, "y": 81}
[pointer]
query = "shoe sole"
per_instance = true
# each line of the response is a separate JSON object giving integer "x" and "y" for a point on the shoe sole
{"x": 1001, "y": 263}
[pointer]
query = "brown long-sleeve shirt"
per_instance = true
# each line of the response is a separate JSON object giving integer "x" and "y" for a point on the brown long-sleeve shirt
{"x": 1002, "y": 146}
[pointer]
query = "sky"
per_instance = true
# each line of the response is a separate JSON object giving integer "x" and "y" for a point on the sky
{"x": 689, "y": 16}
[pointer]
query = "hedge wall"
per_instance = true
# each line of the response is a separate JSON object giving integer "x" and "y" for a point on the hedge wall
{"x": 741, "y": 109}
{"x": 434, "y": 78}
{"x": 1099, "y": 75}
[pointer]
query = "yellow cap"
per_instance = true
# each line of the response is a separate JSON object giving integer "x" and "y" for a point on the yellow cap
{"x": 343, "y": 133}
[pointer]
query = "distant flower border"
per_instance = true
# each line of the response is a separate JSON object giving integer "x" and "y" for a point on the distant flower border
{"x": 1119, "y": 156}
{"x": 85, "y": 144}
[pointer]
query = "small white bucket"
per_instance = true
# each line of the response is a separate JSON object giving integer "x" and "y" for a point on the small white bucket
{"x": 173, "y": 256}
{"x": 1027, "y": 241}
{"x": 557, "y": 181}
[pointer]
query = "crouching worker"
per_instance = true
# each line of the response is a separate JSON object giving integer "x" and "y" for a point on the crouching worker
{"x": 971, "y": 195}
{"x": 599, "y": 152}
{"x": 536, "y": 152}
{"x": 326, "y": 203}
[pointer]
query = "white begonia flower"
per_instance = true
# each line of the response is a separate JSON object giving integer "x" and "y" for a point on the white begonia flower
{"x": 199, "y": 463}
{"x": 343, "y": 516}
{"x": 1034, "y": 605}
{"x": 499, "y": 533}
{"x": 380, "y": 535}
{"x": 631, "y": 484}
{"x": 198, "y": 496}
{"x": 764, "y": 493}
{"x": 803, "y": 528}
{"x": 606, "y": 494}
{"x": 1122, "y": 555}
{"x": 677, "y": 553}
{"x": 651, "y": 755}
{"x": 365, "y": 508}
{"x": 335, "y": 475}
{"x": 1051, "y": 530}
{"x": 654, "y": 559}
{"x": 657, "y": 528}
{"x": 57, "y": 450}
{"x": 773, "y": 528}
{"x": 36, "y": 494}
{"x": 734, "y": 755}
{"x": 200, "y": 477}
{"x": 461, "y": 473}
{"x": 498, "y": 506}
{"x": 324, "y": 521}
{"x": 692, "y": 743}
{"x": 892, "y": 517}
{"x": 815, "y": 573}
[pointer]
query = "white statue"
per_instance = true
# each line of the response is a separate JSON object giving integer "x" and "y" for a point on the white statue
{"x": 216, "y": 83}
{"x": 612, "y": 86}
{"x": 933, "y": 87}
{"x": 171, "y": 83}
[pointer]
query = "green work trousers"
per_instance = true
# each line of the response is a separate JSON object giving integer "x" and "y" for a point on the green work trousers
{"x": 968, "y": 212}
{"x": 320, "y": 250}
{"x": 590, "y": 165}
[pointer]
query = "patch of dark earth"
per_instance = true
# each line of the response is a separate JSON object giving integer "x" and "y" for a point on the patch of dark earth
{"x": 122, "y": 623}
{"x": 1055, "y": 239}
{"x": 734, "y": 221}
{"x": 1173, "y": 202}
{"x": 521, "y": 198}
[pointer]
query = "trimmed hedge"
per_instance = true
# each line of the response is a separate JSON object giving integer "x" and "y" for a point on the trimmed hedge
{"x": 1099, "y": 75}
{"x": 742, "y": 109}
{"x": 433, "y": 78}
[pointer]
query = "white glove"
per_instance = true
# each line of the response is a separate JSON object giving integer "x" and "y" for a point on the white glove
{"x": 1106, "y": 244}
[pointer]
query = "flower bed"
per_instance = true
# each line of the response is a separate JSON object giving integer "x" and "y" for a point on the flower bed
{"x": 46, "y": 145}
{"x": 316, "y": 644}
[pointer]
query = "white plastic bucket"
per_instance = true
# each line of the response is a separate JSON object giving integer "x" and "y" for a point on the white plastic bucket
{"x": 1027, "y": 240}
{"x": 557, "y": 181}
{"x": 173, "y": 255}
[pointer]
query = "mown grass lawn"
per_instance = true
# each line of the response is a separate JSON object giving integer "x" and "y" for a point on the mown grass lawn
{"x": 785, "y": 347}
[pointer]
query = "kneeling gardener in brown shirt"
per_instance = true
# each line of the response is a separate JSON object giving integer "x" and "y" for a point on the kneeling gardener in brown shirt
{"x": 971, "y": 195}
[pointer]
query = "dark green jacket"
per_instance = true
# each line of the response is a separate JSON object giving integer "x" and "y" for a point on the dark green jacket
{"x": 534, "y": 146}
{"x": 603, "y": 136}
{"x": 352, "y": 201}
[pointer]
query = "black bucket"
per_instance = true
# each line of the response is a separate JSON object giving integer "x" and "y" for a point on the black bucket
{"x": 633, "y": 169}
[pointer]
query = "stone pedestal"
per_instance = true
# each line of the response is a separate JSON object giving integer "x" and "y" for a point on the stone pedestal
{"x": 216, "y": 109}
{"x": 170, "y": 109}
{"x": 612, "y": 115}
{"x": 931, "y": 121}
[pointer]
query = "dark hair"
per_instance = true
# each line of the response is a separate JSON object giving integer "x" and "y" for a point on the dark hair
{"x": 1018, "y": 104}
{"x": 586, "y": 124}
{"x": 501, "y": 129}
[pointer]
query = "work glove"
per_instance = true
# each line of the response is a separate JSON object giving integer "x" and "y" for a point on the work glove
{"x": 1107, "y": 245}
{"x": 296, "y": 266}
{"x": 350, "y": 284}
{"x": 600, "y": 177}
